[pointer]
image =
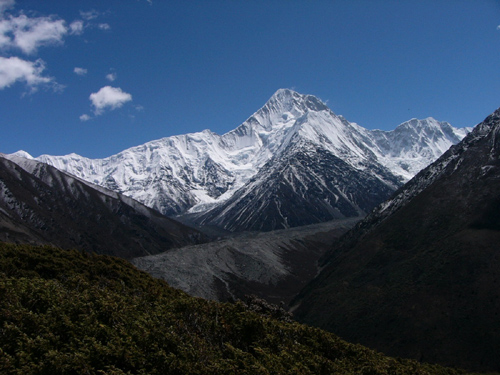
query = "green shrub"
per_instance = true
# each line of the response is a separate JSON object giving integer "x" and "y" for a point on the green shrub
{"x": 68, "y": 312}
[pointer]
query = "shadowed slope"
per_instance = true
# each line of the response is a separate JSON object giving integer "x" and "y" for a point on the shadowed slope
{"x": 273, "y": 265}
{"x": 419, "y": 276}
{"x": 41, "y": 205}
{"x": 68, "y": 312}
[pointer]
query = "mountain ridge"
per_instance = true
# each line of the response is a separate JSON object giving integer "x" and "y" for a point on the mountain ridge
{"x": 40, "y": 204}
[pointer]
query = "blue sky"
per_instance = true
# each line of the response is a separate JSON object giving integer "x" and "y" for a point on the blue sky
{"x": 97, "y": 77}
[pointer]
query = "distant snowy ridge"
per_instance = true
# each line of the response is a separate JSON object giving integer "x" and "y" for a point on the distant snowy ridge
{"x": 415, "y": 144}
{"x": 198, "y": 171}
{"x": 447, "y": 163}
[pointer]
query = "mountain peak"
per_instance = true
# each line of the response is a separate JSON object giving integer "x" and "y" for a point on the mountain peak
{"x": 490, "y": 122}
{"x": 303, "y": 101}
{"x": 419, "y": 123}
{"x": 22, "y": 154}
{"x": 285, "y": 105}
{"x": 285, "y": 92}
{"x": 430, "y": 126}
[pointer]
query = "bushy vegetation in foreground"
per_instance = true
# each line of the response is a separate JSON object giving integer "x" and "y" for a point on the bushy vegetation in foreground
{"x": 68, "y": 312}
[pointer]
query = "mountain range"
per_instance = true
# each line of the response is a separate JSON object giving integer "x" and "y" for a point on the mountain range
{"x": 293, "y": 153}
{"x": 418, "y": 277}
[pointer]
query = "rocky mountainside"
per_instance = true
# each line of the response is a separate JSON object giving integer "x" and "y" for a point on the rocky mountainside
{"x": 418, "y": 277}
{"x": 41, "y": 205}
{"x": 194, "y": 173}
{"x": 305, "y": 184}
{"x": 274, "y": 266}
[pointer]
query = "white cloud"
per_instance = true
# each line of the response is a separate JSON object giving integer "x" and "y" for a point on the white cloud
{"x": 498, "y": 27}
{"x": 76, "y": 27}
{"x": 22, "y": 33}
{"x": 85, "y": 117}
{"x": 28, "y": 34}
{"x": 109, "y": 98}
{"x": 111, "y": 77}
{"x": 14, "y": 69}
{"x": 80, "y": 71}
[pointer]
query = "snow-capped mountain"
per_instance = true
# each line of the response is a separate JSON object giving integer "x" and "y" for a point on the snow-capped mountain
{"x": 196, "y": 172}
{"x": 414, "y": 144}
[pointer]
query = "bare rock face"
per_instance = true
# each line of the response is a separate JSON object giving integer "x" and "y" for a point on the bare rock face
{"x": 418, "y": 277}
{"x": 305, "y": 185}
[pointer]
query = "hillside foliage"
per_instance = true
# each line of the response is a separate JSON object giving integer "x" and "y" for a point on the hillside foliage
{"x": 70, "y": 312}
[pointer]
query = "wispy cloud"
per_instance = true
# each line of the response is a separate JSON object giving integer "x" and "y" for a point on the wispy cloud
{"x": 6, "y": 4}
{"x": 80, "y": 71}
{"x": 89, "y": 15}
{"x": 111, "y": 77}
{"x": 498, "y": 27}
{"x": 85, "y": 117}
{"x": 108, "y": 98}
{"x": 14, "y": 69}
{"x": 76, "y": 27}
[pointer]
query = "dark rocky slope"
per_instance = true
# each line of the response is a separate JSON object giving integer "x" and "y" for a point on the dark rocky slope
{"x": 419, "y": 277}
{"x": 274, "y": 265}
{"x": 305, "y": 184}
{"x": 42, "y": 205}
